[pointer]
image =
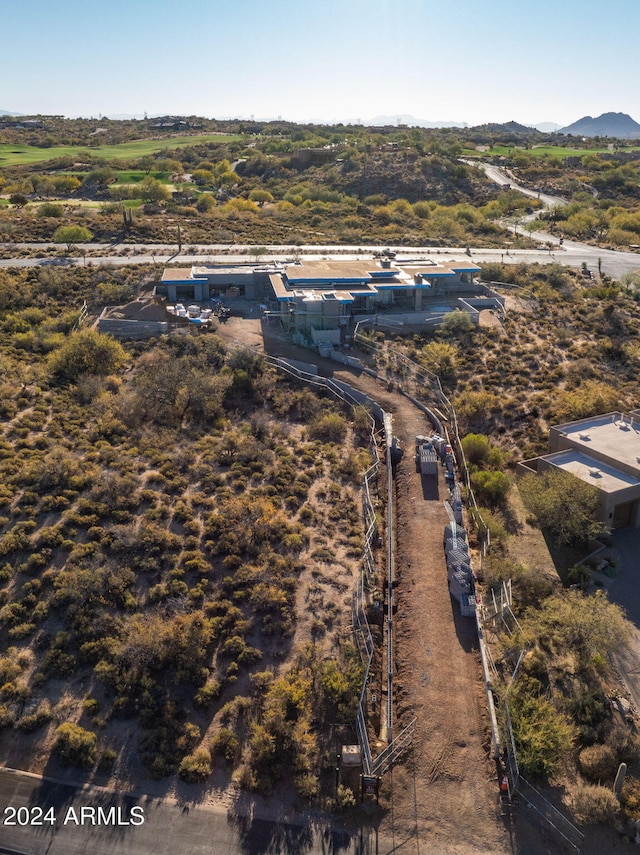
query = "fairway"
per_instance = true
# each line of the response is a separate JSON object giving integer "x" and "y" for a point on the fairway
{"x": 16, "y": 155}
{"x": 542, "y": 150}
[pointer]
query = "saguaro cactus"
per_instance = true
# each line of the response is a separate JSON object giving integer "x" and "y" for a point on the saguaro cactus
{"x": 619, "y": 781}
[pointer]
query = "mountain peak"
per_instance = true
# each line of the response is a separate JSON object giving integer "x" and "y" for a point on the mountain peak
{"x": 618, "y": 125}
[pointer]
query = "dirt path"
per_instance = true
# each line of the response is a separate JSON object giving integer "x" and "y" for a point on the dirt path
{"x": 443, "y": 794}
{"x": 445, "y": 787}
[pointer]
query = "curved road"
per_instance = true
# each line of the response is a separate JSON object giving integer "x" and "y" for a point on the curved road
{"x": 501, "y": 177}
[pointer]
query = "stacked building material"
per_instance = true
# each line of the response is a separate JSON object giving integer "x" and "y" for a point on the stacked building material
{"x": 459, "y": 572}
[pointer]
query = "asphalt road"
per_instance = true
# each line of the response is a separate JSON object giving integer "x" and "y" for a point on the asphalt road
{"x": 571, "y": 254}
{"x": 499, "y": 176}
{"x": 164, "y": 828}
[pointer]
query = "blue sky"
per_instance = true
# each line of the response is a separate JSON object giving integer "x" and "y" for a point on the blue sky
{"x": 340, "y": 60}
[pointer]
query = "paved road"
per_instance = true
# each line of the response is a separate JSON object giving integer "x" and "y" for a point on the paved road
{"x": 499, "y": 176}
{"x": 571, "y": 254}
{"x": 167, "y": 829}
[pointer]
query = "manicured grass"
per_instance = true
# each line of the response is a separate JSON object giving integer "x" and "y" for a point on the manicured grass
{"x": 133, "y": 176}
{"x": 15, "y": 155}
{"x": 542, "y": 150}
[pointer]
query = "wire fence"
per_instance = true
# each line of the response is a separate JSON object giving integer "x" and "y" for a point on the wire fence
{"x": 419, "y": 384}
{"x": 369, "y": 571}
{"x": 570, "y": 836}
{"x": 414, "y": 380}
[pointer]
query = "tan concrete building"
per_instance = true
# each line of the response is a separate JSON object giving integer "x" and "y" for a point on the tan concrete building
{"x": 603, "y": 451}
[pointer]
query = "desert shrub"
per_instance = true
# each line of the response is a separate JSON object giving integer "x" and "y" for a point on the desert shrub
{"x": 7, "y": 716}
{"x": 630, "y": 797}
{"x": 624, "y": 744}
{"x": 456, "y": 323}
{"x": 307, "y": 785}
{"x": 594, "y": 804}
{"x": 589, "y": 626}
{"x": 491, "y": 487}
{"x": 32, "y": 721}
{"x": 543, "y": 734}
{"x": 329, "y": 427}
{"x": 87, "y": 352}
{"x": 50, "y": 209}
{"x": 590, "y": 398}
{"x": 225, "y": 745}
{"x": 75, "y": 745}
{"x": 344, "y": 798}
{"x": 196, "y": 766}
{"x": 598, "y": 762}
{"x": 91, "y": 706}
{"x": 476, "y": 447}
{"x": 491, "y": 521}
{"x": 207, "y": 694}
{"x": 107, "y": 759}
{"x": 563, "y": 505}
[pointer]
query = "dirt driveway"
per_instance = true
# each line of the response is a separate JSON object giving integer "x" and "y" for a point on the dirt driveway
{"x": 442, "y": 797}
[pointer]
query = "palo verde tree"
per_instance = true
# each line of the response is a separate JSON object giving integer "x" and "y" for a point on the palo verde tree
{"x": 563, "y": 505}
{"x": 87, "y": 352}
{"x": 72, "y": 235}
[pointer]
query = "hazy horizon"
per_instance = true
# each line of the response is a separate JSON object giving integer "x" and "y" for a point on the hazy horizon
{"x": 480, "y": 61}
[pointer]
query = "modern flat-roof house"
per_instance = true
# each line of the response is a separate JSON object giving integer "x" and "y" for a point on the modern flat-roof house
{"x": 322, "y": 299}
{"x": 320, "y": 296}
{"x": 603, "y": 451}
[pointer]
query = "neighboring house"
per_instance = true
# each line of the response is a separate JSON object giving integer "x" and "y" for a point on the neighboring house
{"x": 603, "y": 451}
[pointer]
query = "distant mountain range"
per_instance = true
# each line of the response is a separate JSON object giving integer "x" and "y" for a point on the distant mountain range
{"x": 619, "y": 125}
{"x": 412, "y": 122}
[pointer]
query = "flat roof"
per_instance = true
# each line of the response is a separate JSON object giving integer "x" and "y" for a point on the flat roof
{"x": 601, "y": 475}
{"x": 614, "y": 435}
{"x": 428, "y": 267}
{"x": 336, "y": 269}
{"x": 284, "y": 293}
{"x": 177, "y": 275}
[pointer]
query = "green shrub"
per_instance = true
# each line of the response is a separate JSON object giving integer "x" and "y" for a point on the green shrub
{"x": 50, "y": 209}
{"x": 87, "y": 352}
{"x": 489, "y": 486}
{"x": 344, "y": 798}
{"x": 196, "y": 766}
{"x": 307, "y": 785}
{"x": 544, "y": 736}
{"x": 330, "y": 427}
{"x": 225, "y": 745}
{"x": 476, "y": 447}
{"x": 75, "y": 745}
{"x": 207, "y": 694}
